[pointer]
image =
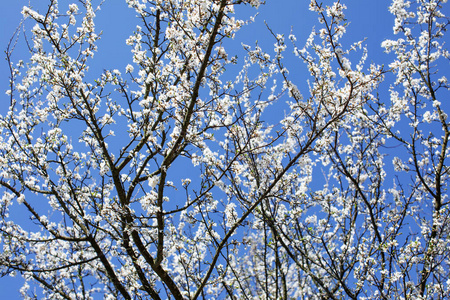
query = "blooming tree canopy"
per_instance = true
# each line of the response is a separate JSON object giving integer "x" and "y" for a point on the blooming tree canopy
{"x": 93, "y": 163}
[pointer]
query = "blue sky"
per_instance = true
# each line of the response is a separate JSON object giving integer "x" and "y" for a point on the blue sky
{"x": 369, "y": 19}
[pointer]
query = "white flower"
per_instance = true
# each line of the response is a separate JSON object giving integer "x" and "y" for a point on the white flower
{"x": 152, "y": 181}
{"x": 73, "y": 8}
{"x": 427, "y": 117}
{"x": 21, "y": 199}
{"x": 230, "y": 214}
{"x": 129, "y": 68}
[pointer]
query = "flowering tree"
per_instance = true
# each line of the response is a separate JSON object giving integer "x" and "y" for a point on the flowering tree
{"x": 95, "y": 162}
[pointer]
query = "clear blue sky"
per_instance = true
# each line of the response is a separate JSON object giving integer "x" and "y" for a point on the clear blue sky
{"x": 369, "y": 19}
